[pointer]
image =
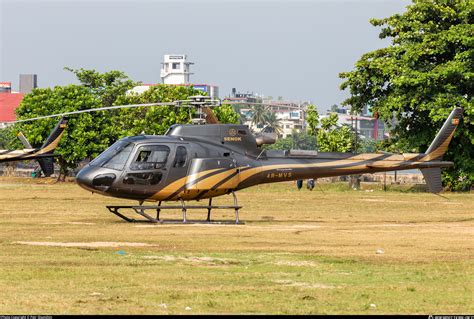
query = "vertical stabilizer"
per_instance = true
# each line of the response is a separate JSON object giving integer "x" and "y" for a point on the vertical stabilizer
{"x": 433, "y": 179}
{"x": 440, "y": 143}
{"x": 53, "y": 139}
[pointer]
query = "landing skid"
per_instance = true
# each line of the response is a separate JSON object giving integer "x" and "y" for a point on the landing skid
{"x": 140, "y": 210}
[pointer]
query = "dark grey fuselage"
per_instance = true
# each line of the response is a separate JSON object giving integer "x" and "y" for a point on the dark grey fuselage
{"x": 201, "y": 161}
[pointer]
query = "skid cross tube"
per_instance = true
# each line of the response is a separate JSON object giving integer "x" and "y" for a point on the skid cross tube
{"x": 158, "y": 211}
{"x": 209, "y": 210}
{"x": 183, "y": 209}
{"x": 141, "y": 210}
{"x": 236, "y": 209}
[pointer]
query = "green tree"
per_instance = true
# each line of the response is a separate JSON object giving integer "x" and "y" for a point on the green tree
{"x": 87, "y": 134}
{"x": 300, "y": 141}
{"x": 107, "y": 86}
{"x": 312, "y": 118}
{"x": 333, "y": 138}
{"x": 8, "y": 139}
{"x": 153, "y": 120}
{"x": 226, "y": 114}
{"x": 426, "y": 71}
{"x": 367, "y": 145}
{"x": 330, "y": 137}
{"x": 157, "y": 119}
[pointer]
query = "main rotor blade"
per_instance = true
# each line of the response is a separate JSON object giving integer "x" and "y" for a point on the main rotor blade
{"x": 95, "y": 110}
{"x": 258, "y": 103}
{"x": 179, "y": 103}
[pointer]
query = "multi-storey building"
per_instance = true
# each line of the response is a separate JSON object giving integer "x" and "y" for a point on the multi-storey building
{"x": 291, "y": 115}
{"x": 175, "y": 70}
{"x": 366, "y": 125}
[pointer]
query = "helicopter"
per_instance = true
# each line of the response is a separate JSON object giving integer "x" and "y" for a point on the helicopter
{"x": 43, "y": 155}
{"x": 205, "y": 160}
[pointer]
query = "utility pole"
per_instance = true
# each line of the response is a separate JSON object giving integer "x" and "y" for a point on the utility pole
{"x": 356, "y": 134}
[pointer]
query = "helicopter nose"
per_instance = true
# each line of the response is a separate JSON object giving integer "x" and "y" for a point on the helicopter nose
{"x": 84, "y": 178}
{"x": 91, "y": 179}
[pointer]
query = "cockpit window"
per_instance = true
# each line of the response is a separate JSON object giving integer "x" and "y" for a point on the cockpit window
{"x": 150, "y": 157}
{"x": 115, "y": 156}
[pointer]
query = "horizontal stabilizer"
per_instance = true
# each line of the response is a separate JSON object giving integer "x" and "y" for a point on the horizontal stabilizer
{"x": 23, "y": 140}
{"x": 433, "y": 179}
{"x": 386, "y": 153}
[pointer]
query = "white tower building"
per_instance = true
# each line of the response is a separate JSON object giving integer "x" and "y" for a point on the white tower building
{"x": 175, "y": 69}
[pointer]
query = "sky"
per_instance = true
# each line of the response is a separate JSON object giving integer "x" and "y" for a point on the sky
{"x": 294, "y": 49}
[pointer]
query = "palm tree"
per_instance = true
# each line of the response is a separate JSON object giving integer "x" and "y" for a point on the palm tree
{"x": 258, "y": 115}
{"x": 273, "y": 122}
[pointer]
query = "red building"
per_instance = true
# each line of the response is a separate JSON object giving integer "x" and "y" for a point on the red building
{"x": 8, "y": 104}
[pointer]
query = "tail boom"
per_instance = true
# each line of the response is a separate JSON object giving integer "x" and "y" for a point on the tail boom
{"x": 45, "y": 151}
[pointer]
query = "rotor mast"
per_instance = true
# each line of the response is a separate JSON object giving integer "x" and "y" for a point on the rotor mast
{"x": 202, "y": 105}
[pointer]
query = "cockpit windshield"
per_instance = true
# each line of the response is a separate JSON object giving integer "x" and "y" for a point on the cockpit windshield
{"x": 115, "y": 156}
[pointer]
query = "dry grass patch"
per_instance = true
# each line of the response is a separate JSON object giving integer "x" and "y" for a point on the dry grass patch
{"x": 91, "y": 244}
{"x": 300, "y": 252}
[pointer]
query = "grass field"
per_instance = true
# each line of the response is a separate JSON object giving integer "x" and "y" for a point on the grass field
{"x": 300, "y": 252}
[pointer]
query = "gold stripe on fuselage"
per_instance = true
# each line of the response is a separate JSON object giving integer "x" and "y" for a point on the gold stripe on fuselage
{"x": 256, "y": 170}
{"x": 210, "y": 181}
{"x": 170, "y": 189}
{"x": 353, "y": 163}
{"x": 205, "y": 185}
